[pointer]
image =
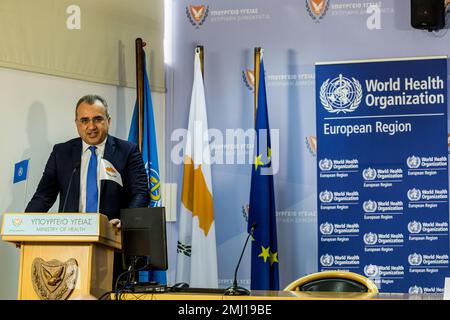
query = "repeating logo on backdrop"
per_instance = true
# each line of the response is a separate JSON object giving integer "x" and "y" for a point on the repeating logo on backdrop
{"x": 369, "y": 174}
{"x": 414, "y": 194}
{"x": 369, "y": 206}
{"x": 197, "y": 14}
{"x": 370, "y": 238}
{"x": 326, "y": 260}
{"x": 317, "y": 8}
{"x": 325, "y": 164}
{"x": 371, "y": 270}
{"x": 413, "y": 162}
{"x": 415, "y": 290}
{"x": 340, "y": 94}
{"x": 311, "y": 144}
{"x": 414, "y": 227}
{"x": 326, "y": 196}
{"x": 415, "y": 259}
{"x": 326, "y": 228}
{"x": 248, "y": 76}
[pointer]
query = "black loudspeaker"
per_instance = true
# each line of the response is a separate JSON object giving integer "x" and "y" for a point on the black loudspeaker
{"x": 428, "y": 14}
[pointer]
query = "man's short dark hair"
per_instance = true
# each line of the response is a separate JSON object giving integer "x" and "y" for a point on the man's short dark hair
{"x": 92, "y": 99}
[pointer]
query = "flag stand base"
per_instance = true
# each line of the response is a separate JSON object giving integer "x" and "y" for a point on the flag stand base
{"x": 236, "y": 291}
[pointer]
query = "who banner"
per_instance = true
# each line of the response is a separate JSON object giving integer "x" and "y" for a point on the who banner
{"x": 382, "y": 171}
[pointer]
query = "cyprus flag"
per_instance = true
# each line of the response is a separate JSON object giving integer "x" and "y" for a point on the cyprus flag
{"x": 196, "y": 248}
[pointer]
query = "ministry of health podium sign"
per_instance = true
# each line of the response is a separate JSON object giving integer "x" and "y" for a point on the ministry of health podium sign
{"x": 62, "y": 256}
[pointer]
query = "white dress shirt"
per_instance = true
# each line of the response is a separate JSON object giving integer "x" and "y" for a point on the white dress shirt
{"x": 85, "y": 156}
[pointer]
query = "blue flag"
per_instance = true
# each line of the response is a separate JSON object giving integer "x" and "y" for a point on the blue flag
{"x": 264, "y": 261}
{"x": 21, "y": 171}
{"x": 150, "y": 157}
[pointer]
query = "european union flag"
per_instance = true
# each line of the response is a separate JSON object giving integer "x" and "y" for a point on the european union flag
{"x": 264, "y": 261}
{"x": 150, "y": 157}
{"x": 21, "y": 171}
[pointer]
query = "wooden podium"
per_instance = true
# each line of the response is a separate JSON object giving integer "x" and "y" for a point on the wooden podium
{"x": 62, "y": 256}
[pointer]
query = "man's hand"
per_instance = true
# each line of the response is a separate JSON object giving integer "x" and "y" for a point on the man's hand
{"x": 116, "y": 223}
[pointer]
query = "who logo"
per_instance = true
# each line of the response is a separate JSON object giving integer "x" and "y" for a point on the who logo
{"x": 370, "y": 238}
{"x": 414, "y": 194}
{"x": 369, "y": 174}
{"x": 340, "y": 94}
{"x": 326, "y": 228}
{"x": 197, "y": 14}
{"x": 326, "y": 164}
{"x": 326, "y": 196}
{"x": 326, "y": 260}
{"x": 371, "y": 270}
{"x": 415, "y": 290}
{"x": 369, "y": 206}
{"x": 415, "y": 259}
{"x": 413, "y": 162}
{"x": 414, "y": 227}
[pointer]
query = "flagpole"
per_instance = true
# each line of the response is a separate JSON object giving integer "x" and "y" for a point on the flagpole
{"x": 139, "y": 45}
{"x": 258, "y": 51}
{"x": 202, "y": 64}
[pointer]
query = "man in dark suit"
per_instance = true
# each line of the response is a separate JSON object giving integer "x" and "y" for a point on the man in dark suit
{"x": 94, "y": 173}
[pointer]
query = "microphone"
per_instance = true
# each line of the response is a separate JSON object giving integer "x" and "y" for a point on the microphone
{"x": 77, "y": 166}
{"x": 235, "y": 290}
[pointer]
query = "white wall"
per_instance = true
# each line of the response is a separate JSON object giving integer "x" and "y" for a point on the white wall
{"x": 37, "y": 112}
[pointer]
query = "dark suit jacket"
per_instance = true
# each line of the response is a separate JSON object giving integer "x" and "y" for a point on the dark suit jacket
{"x": 65, "y": 159}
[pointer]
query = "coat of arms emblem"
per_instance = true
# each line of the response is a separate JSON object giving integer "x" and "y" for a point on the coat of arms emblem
{"x": 249, "y": 79}
{"x": 54, "y": 280}
{"x": 197, "y": 14}
{"x": 317, "y": 8}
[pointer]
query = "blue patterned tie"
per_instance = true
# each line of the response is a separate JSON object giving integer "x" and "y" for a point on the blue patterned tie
{"x": 91, "y": 183}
